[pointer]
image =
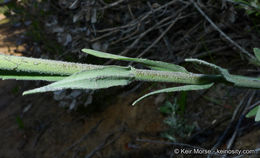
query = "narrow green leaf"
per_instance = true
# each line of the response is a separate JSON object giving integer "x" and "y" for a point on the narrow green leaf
{"x": 4, "y": 74}
{"x": 222, "y": 71}
{"x": 35, "y": 78}
{"x": 257, "y": 117}
{"x": 257, "y": 53}
{"x": 91, "y": 79}
{"x": 157, "y": 65}
{"x": 213, "y": 66}
{"x": 175, "y": 89}
{"x": 240, "y": 81}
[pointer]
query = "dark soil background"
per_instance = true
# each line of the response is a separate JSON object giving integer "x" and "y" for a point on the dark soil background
{"x": 102, "y": 123}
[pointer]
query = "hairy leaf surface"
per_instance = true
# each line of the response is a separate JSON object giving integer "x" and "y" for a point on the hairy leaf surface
{"x": 90, "y": 79}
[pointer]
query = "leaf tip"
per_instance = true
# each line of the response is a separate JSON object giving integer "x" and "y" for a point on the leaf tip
{"x": 31, "y": 91}
{"x": 25, "y": 93}
{"x": 84, "y": 50}
{"x": 138, "y": 100}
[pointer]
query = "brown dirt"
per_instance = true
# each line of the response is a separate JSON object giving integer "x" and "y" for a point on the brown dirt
{"x": 57, "y": 130}
{"x": 8, "y": 37}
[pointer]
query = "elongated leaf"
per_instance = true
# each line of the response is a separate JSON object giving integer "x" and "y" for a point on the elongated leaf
{"x": 257, "y": 53}
{"x": 4, "y": 74}
{"x": 157, "y": 65}
{"x": 175, "y": 89}
{"x": 91, "y": 79}
{"x": 257, "y": 116}
{"x": 35, "y": 78}
{"x": 237, "y": 80}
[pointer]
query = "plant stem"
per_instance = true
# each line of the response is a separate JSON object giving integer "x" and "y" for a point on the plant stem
{"x": 42, "y": 66}
{"x": 176, "y": 77}
{"x": 54, "y": 69}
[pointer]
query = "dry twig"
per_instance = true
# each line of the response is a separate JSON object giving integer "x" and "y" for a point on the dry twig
{"x": 236, "y": 115}
{"x": 221, "y": 32}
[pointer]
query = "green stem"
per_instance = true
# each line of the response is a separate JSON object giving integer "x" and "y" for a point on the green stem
{"x": 177, "y": 77}
{"x": 52, "y": 69}
{"x": 42, "y": 66}
{"x": 243, "y": 81}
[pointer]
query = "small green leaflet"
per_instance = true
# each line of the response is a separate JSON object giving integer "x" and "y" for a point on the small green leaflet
{"x": 156, "y": 65}
{"x": 168, "y": 107}
{"x": 254, "y": 112}
{"x": 90, "y": 79}
{"x": 237, "y": 80}
{"x": 175, "y": 89}
{"x": 257, "y": 53}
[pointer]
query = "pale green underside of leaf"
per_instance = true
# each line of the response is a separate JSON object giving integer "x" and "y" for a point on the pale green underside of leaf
{"x": 157, "y": 65}
{"x": 36, "y": 78}
{"x": 237, "y": 80}
{"x": 175, "y": 89}
{"x": 21, "y": 75}
{"x": 257, "y": 117}
{"x": 91, "y": 79}
{"x": 257, "y": 53}
{"x": 254, "y": 112}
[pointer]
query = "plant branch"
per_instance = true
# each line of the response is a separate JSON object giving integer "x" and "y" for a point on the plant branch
{"x": 26, "y": 68}
{"x": 32, "y": 67}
